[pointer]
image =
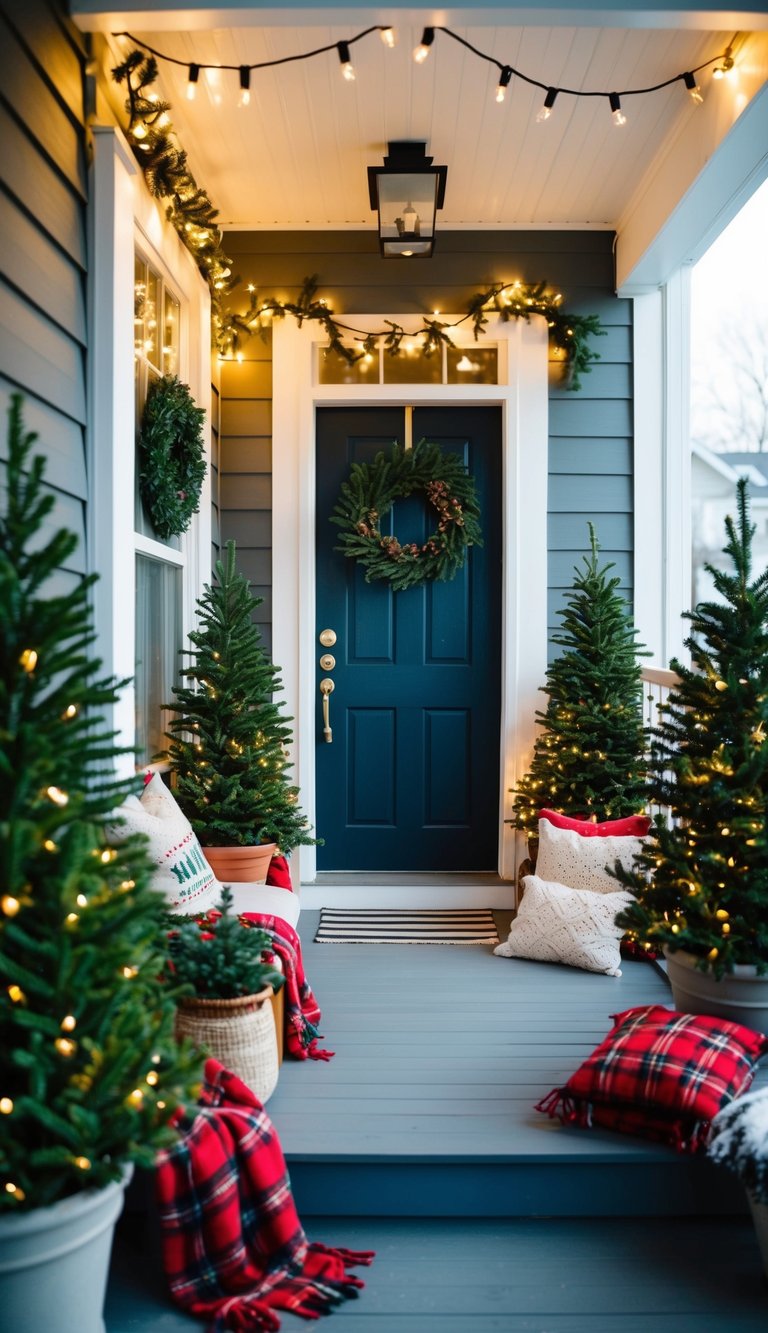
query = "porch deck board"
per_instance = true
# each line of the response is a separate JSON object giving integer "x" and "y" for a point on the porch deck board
{"x": 441, "y": 1054}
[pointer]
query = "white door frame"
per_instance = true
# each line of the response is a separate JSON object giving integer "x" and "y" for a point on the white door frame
{"x": 522, "y": 394}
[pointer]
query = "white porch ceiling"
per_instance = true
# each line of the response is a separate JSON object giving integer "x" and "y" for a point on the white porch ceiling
{"x": 296, "y": 158}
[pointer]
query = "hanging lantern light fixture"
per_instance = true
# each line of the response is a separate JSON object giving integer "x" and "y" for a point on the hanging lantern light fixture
{"x": 406, "y": 192}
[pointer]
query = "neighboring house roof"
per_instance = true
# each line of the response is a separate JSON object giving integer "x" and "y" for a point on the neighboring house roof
{"x": 718, "y": 473}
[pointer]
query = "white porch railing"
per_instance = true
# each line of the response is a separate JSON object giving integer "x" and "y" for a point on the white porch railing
{"x": 657, "y": 684}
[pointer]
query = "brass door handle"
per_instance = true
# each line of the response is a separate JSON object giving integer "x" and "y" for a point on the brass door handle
{"x": 326, "y": 689}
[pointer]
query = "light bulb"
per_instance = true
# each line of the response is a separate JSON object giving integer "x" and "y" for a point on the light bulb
{"x": 422, "y": 50}
{"x": 503, "y": 84}
{"x": 388, "y": 36}
{"x": 194, "y": 75}
{"x": 245, "y": 86}
{"x": 549, "y": 101}
{"x": 617, "y": 115}
{"x": 347, "y": 68}
{"x": 693, "y": 89}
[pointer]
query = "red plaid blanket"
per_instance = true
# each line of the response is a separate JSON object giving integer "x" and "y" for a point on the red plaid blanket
{"x": 302, "y": 1012}
{"x": 233, "y": 1246}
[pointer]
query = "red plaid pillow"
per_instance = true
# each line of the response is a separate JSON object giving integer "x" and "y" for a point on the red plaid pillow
{"x": 634, "y": 826}
{"x": 660, "y": 1074}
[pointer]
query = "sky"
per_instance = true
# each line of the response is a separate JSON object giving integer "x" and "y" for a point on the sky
{"x": 732, "y": 277}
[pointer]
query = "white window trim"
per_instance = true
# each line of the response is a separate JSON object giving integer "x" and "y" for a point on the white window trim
{"x": 523, "y": 397}
{"x": 662, "y": 467}
{"x": 122, "y": 216}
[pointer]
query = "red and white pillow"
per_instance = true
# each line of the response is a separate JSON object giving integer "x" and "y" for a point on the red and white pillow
{"x": 181, "y": 872}
{"x": 660, "y": 1074}
{"x": 633, "y": 826}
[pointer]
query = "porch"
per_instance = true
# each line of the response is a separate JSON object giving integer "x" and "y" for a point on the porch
{"x": 419, "y": 1139}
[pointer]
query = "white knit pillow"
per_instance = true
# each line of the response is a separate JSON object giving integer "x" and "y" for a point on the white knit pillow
{"x": 565, "y": 857}
{"x": 181, "y": 873}
{"x": 555, "y": 924}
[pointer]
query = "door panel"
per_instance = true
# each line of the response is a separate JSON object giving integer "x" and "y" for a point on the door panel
{"x": 410, "y": 781}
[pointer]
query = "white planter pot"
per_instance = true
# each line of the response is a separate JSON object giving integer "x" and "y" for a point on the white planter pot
{"x": 54, "y": 1262}
{"x": 741, "y": 996}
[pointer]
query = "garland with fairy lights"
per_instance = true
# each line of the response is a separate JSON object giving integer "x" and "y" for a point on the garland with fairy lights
{"x": 368, "y": 495}
{"x": 193, "y": 216}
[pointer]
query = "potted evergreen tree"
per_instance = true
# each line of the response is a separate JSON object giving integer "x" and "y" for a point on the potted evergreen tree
{"x": 701, "y": 886}
{"x": 227, "y": 969}
{"x": 228, "y": 738}
{"x": 589, "y": 758}
{"x": 90, "y": 1073}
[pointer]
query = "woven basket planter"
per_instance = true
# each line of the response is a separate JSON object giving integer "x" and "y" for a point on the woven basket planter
{"x": 240, "y": 1033}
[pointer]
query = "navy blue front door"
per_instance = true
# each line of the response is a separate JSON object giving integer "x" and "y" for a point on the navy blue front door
{"x": 410, "y": 780}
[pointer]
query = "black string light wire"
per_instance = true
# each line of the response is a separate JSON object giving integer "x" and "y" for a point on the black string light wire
{"x": 723, "y": 65}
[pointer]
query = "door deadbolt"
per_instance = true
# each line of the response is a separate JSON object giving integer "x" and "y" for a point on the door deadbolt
{"x": 327, "y": 661}
{"x": 327, "y": 637}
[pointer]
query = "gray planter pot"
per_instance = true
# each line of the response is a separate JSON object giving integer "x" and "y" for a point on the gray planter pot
{"x": 741, "y": 996}
{"x": 760, "y": 1219}
{"x": 54, "y": 1262}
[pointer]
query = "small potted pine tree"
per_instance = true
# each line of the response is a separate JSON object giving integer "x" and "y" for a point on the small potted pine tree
{"x": 589, "y": 758}
{"x": 90, "y": 1073}
{"x": 228, "y": 739}
{"x": 701, "y": 885}
{"x": 227, "y": 969}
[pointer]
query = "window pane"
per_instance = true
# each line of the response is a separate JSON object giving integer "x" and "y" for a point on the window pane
{"x": 334, "y": 369}
{"x": 473, "y": 365}
{"x": 411, "y": 366}
{"x": 170, "y": 335}
{"x": 158, "y": 642}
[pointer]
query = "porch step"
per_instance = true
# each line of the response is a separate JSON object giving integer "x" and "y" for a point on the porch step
{"x": 427, "y": 1108}
{"x": 448, "y": 1276}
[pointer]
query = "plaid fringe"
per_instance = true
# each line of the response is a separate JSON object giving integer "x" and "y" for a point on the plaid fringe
{"x": 234, "y": 1249}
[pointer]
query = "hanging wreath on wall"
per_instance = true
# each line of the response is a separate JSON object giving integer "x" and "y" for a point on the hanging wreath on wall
{"x": 368, "y": 495}
{"x": 171, "y": 456}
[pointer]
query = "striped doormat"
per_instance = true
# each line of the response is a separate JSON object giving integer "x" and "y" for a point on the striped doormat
{"x": 340, "y": 925}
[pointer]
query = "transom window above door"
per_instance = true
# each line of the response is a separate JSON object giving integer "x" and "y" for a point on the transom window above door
{"x": 448, "y": 365}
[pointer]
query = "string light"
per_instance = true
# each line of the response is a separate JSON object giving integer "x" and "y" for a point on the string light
{"x": 28, "y": 659}
{"x": 617, "y": 115}
{"x": 6, "y": 1105}
{"x": 347, "y": 68}
{"x": 65, "y": 1046}
{"x": 245, "y": 86}
{"x": 693, "y": 88}
{"x": 69, "y": 712}
{"x": 549, "y": 102}
{"x": 82, "y": 1163}
{"x": 68, "y": 1023}
{"x": 194, "y": 75}
{"x": 725, "y": 66}
{"x": 58, "y": 796}
{"x": 422, "y": 50}
{"x": 388, "y": 37}
{"x": 16, "y": 994}
{"x": 9, "y": 904}
{"x": 504, "y": 82}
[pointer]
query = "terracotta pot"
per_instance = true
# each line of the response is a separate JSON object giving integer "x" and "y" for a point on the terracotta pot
{"x": 240, "y": 865}
{"x": 238, "y": 1032}
{"x": 740, "y": 996}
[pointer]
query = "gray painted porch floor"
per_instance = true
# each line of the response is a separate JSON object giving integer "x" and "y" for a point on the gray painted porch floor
{"x": 419, "y": 1140}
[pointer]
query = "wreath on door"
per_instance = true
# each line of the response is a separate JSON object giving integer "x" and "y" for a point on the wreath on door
{"x": 171, "y": 456}
{"x": 368, "y": 495}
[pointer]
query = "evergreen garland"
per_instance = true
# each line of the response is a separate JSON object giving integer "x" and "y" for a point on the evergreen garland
{"x": 702, "y": 885}
{"x": 589, "y": 760}
{"x": 171, "y": 456}
{"x": 90, "y": 1074}
{"x": 228, "y": 738}
{"x": 192, "y": 214}
{"x": 368, "y": 495}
